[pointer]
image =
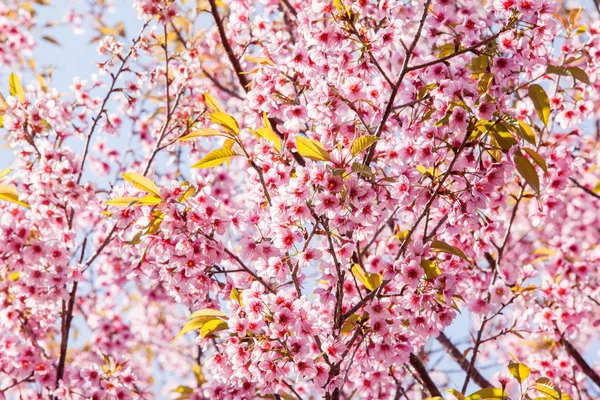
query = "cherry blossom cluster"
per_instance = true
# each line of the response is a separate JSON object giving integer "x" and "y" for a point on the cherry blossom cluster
{"x": 319, "y": 193}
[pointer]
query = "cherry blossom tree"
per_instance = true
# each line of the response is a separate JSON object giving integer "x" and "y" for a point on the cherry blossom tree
{"x": 296, "y": 199}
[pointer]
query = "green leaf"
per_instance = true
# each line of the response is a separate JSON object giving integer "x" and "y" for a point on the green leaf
{"x": 546, "y": 387}
{"x": 455, "y": 393}
{"x": 360, "y": 168}
{"x": 200, "y": 379}
{"x": 440, "y": 246}
{"x": 484, "y": 83}
{"x": 445, "y": 50}
{"x": 203, "y": 132}
{"x": 185, "y": 392}
{"x": 577, "y": 73}
{"x": 236, "y": 295}
{"x": 226, "y": 121}
{"x": 269, "y": 134}
{"x": 213, "y": 103}
{"x": 149, "y": 200}
{"x": 580, "y": 75}
{"x": 479, "y": 64}
{"x": 311, "y": 149}
{"x": 9, "y": 193}
{"x": 184, "y": 389}
{"x": 539, "y": 160}
{"x": 350, "y": 324}
{"x": 154, "y": 225}
{"x": 142, "y": 183}
{"x": 526, "y": 132}
{"x": 4, "y": 173}
{"x": 555, "y": 69}
{"x": 519, "y": 370}
{"x": 207, "y": 312}
{"x": 431, "y": 268}
{"x": 196, "y": 323}
{"x": 488, "y": 393}
{"x": 541, "y": 102}
{"x": 527, "y": 171}
{"x": 213, "y": 326}
{"x": 371, "y": 281}
{"x": 214, "y": 158}
{"x": 503, "y": 136}
{"x": 15, "y": 88}
{"x": 363, "y": 143}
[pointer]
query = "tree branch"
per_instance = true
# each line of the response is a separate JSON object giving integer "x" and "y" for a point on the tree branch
{"x": 416, "y": 363}
{"x": 461, "y": 361}
{"x": 585, "y": 367}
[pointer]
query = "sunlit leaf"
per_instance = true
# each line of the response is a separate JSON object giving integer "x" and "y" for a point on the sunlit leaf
{"x": 488, "y": 393}
{"x": 519, "y": 370}
{"x": 350, "y": 324}
{"x": 437, "y": 245}
{"x": 142, "y": 183}
{"x": 194, "y": 324}
{"x": 503, "y": 136}
{"x": 213, "y": 103}
{"x": 539, "y": 160}
{"x": 546, "y": 387}
{"x": 207, "y": 312}
{"x": 202, "y": 132}
{"x": 360, "y": 168}
{"x": 149, "y": 200}
{"x": 431, "y": 268}
{"x": 540, "y": 101}
{"x": 455, "y": 393}
{"x": 236, "y": 295}
{"x": 527, "y": 132}
{"x": 214, "y": 158}
{"x": 213, "y": 326}
{"x": 311, "y": 149}
{"x": 5, "y": 172}
{"x": 484, "y": 83}
{"x": 370, "y": 280}
{"x": 9, "y": 193}
{"x": 260, "y": 60}
{"x": 363, "y": 143}
{"x": 226, "y": 121}
{"x": 527, "y": 171}
{"x": 15, "y": 88}
{"x": 200, "y": 379}
{"x": 267, "y": 133}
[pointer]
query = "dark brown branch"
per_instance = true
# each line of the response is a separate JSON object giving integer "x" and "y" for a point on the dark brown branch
{"x": 290, "y": 8}
{"x": 460, "y": 360}
{"x": 585, "y": 189}
{"x": 17, "y": 383}
{"x": 67, "y": 318}
{"x": 418, "y": 366}
{"x": 235, "y": 63}
{"x": 585, "y": 367}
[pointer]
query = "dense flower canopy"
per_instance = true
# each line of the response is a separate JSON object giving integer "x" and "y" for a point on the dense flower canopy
{"x": 310, "y": 193}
